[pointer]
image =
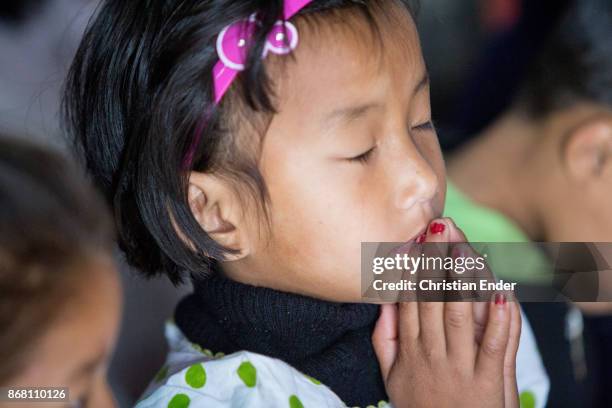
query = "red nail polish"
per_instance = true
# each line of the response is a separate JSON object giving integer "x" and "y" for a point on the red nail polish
{"x": 437, "y": 228}
{"x": 421, "y": 238}
{"x": 500, "y": 299}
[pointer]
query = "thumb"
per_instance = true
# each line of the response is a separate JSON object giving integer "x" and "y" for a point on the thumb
{"x": 384, "y": 338}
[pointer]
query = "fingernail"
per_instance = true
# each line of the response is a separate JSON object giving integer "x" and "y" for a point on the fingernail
{"x": 500, "y": 299}
{"x": 437, "y": 228}
{"x": 421, "y": 238}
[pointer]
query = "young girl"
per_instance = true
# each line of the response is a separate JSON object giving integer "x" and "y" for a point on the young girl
{"x": 59, "y": 290}
{"x": 252, "y": 147}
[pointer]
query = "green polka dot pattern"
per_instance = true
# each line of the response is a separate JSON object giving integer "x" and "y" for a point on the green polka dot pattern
{"x": 195, "y": 376}
{"x": 313, "y": 380}
{"x": 247, "y": 373}
{"x": 527, "y": 399}
{"x": 294, "y": 402}
{"x": 179, "y": 401}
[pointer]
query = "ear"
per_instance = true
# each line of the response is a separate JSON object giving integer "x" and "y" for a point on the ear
{"x": 588, "y": 149}
{"x": 217, "y": 209}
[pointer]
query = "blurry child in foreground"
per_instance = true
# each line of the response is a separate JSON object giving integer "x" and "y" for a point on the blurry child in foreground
{"x": 59, "y": 289}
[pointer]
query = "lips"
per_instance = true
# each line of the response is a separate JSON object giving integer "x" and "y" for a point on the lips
{"x": 421, "y": 238}
{"x": 406, "y": 246}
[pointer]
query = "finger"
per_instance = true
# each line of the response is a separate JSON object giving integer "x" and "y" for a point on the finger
{"x": 431, "y": 313}
{"x": 476, "y": 268}
{"x": 458, "y": 316}
{"x": 460, "y": 247}
{"x": 408, "y": 320}
{"x": 408, "y": 307}
{"x": 480, "y": 306}
{"x": 480, "y": 309}
{"x": 455, "y": 234}
{"x": 491, "y": 354}
{"x": 514, "y": 334}
{"x": 510, "y": 384}
{"x": 384, "y": 338}
{"x": 459, "y": 330}
{"x": 481, "y": 316}
{"x": 409, "y": 252}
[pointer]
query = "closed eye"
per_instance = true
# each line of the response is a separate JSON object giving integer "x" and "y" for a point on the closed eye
{"x": 363, "y": 158}
{"x": 425, "y": 127}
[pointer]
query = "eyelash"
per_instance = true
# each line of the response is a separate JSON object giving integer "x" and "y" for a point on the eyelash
{"x": 425, "y": 126}
{"x": 364, "y": 157}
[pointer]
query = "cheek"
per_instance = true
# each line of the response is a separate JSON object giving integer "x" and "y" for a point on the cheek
{"x": 109, "y": 297}
{"x": 316, "y": 226}
{"x": 600, "y": 220}
{"x": 306, "y": 222}
{"x": 314, "y": 256}
{"x": 310, "y": 201}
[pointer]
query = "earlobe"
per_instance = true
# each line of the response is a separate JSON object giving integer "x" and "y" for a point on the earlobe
{"x": 214, "y": 206}
{"x": 588, "y": 150}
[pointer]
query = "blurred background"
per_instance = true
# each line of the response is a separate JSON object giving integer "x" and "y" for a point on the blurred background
{"x": 477, "y": 52}
{"x": 38, "y": 39}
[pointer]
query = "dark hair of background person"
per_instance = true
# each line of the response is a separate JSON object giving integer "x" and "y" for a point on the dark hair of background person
{"x": 139, "y": 98}
{"x": 52, "y": 225}
{"x": 493, "y": 81}
{"x": 16, "y": 11}
{"x": 575, "y": 64}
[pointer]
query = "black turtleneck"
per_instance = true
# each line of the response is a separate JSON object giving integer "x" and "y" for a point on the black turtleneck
{"x": 326, "y": 340}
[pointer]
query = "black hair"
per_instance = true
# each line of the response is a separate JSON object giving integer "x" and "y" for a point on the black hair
{"x": 139, "y": 99}
{"x": 16, "y": 12}
{"x": 576, "y": 62}
{"x": 51, "y": 224}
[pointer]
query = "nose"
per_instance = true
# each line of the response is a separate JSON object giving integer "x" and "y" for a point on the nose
{"x": 416, "y": 180}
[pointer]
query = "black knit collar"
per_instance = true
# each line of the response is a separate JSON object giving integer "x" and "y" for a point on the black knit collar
{"x": 326, "y": 340}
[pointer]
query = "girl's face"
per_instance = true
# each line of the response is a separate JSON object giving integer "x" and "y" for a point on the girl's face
{"x": 351, "y": 157}
{"x": 75, "y": 350}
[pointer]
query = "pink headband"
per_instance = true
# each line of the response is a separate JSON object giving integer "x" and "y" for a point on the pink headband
{"x": 233, "y": 42}
{"x": 232, "y": 49}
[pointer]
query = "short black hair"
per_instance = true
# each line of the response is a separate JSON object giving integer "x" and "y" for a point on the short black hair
{"x": 52, "y": 224}
{"x": 576, "y": 62}
{"x": 136, "y": 98}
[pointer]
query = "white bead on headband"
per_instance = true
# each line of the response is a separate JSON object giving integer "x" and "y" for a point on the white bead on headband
{"x": 232, "y": 49}
{"x": 233, "y": 45}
